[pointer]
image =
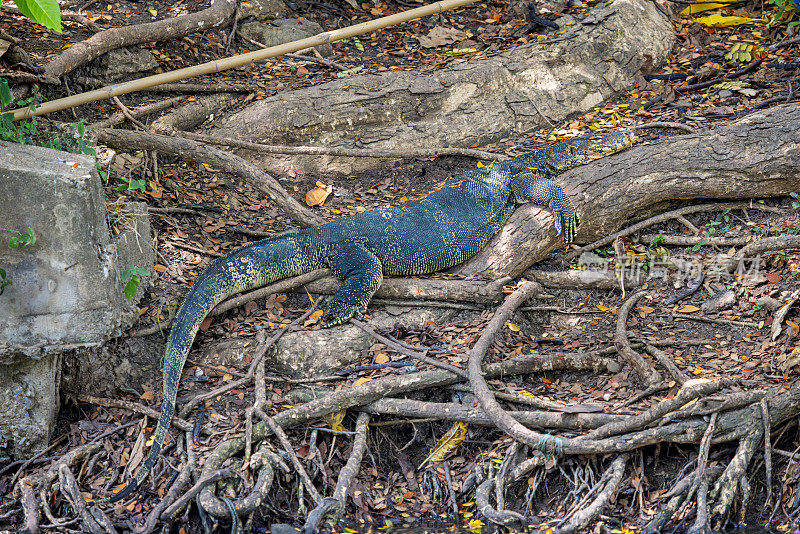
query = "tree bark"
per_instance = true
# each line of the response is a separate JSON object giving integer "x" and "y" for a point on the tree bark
{"x": 757, "y": 156}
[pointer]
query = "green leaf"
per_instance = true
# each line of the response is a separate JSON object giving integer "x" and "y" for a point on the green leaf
{"x": 131, "y": 287}
{"x": 45, "y": 12}
{"x": 5, "y": 93}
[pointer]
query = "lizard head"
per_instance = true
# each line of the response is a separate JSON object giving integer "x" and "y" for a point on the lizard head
{"x": 580, "y": 150}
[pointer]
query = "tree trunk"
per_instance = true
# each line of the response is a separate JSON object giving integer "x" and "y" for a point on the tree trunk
{"x": 755, "y": 157}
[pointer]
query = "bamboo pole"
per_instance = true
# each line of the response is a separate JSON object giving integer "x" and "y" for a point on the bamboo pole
{"x": 236, "y": 61}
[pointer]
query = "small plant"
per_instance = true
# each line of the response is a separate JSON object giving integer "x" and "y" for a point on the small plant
{"x": 784, "y": 6}
{"x": 21, "y": 239}
{"x": 132, "y": 185}
{"x": 22, "y": 132}
{"x": 712, "y": 228}
{"x": 131, "y": 277}
{"x": 4, "y": 280}
{"x": 745, "y": 52}
{"x": 795, "y": 200}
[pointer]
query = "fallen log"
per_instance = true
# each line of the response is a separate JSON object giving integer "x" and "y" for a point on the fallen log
{"x": 757, "y": 156}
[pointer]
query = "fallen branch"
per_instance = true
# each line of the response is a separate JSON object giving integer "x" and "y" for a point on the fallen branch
{"x": 81, "y": 53}
{"x": 30, "y": 507}
{"x": 187, "y": 149}
{"x": 184, "y": 477}
{"x": 636, "y": 422}
{"x": 663, "y": 217}
{"x": 475, "y": 415}
{"x": 762, "y": 245}
{"x": 177, "y": 422}
{"x": 347, "y": 152}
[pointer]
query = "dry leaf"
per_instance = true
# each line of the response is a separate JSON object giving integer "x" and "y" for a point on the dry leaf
{"x": 689, "y": 309}
{"x": 699, "y": 8}
{"x": 722, "y": 21}
{"x": 313, "y": 318}
{"x": 317, "y": 196}
{"x": 791, "y": 361}
{"x": 381, "y": 357}
{"x": 440, "y": 36}
{"x": 448, "y": 444}
{"x": 780, "y": 315}
{"x": 774, "y": 278}
{"x": 335, "y": 420}
{"x": 602, "y": 307}
{"x": 362, "y": 380}
{"x": 513, "y": 327}
{"x": 147, "y": 396}
{"x": 137, "y": 453}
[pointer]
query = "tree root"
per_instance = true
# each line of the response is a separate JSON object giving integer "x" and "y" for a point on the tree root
{"x": 105, "y": 41}
{"x": 335, "y": 505}
{"x": 645, "y": 371}
{"x": 612, "y": 479}
{"x": 347, "y": 152}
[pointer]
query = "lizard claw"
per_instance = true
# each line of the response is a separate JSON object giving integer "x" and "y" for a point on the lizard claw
{"x": 567, "y": 221}
{"x": 339, "y": 312}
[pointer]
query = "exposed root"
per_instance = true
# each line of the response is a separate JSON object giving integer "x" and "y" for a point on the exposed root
{"x": 335, "y": 504}
{"x": 645, "y": 372}
{"x": 612, "y": 479}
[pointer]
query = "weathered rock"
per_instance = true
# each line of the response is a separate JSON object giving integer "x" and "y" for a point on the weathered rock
{"x": 307, "y": 353}
{"x": 123, "y": 64}
{"x": 65, "y": 291}
{"x": 264, "y": 9}
{"x": 478, "y": 100}
{"x": 281, "y": 31}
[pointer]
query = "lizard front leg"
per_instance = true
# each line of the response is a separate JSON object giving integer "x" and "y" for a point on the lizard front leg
{"x": 361, "y": 273}
{"x": 531, "y": 187}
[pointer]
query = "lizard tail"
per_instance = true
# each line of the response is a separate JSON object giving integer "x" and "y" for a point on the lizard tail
{"x": 251, "y": 266}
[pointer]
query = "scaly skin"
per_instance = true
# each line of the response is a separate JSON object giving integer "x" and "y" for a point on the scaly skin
{"x": 436, "y": 232}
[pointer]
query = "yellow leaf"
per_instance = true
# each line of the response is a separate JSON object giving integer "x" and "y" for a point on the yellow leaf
{"x": 382, "y": 357}
{"x": 226, "y": 377}
{"x": 335, "y": 420}
{"x": 689, "y": 309}
{"x": 448, "y": 444}
{"x": 335, "y": 211}
{"x": 722, "y": 21}
{"x": 513, "y": 327}
{"x": 362, "y": 380}
{"x": 403, "y": 200}
{"x": 313, "y": 318}
{"x": 699, "y": 8}
{"x": 602, "y": 308}
{"x": 317, "y": 196}
{"x": 153, "y": 12}
{"x": 480, "y": 164}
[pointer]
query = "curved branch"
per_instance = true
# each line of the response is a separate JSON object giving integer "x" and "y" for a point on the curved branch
{"x": 100, "y": 43}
